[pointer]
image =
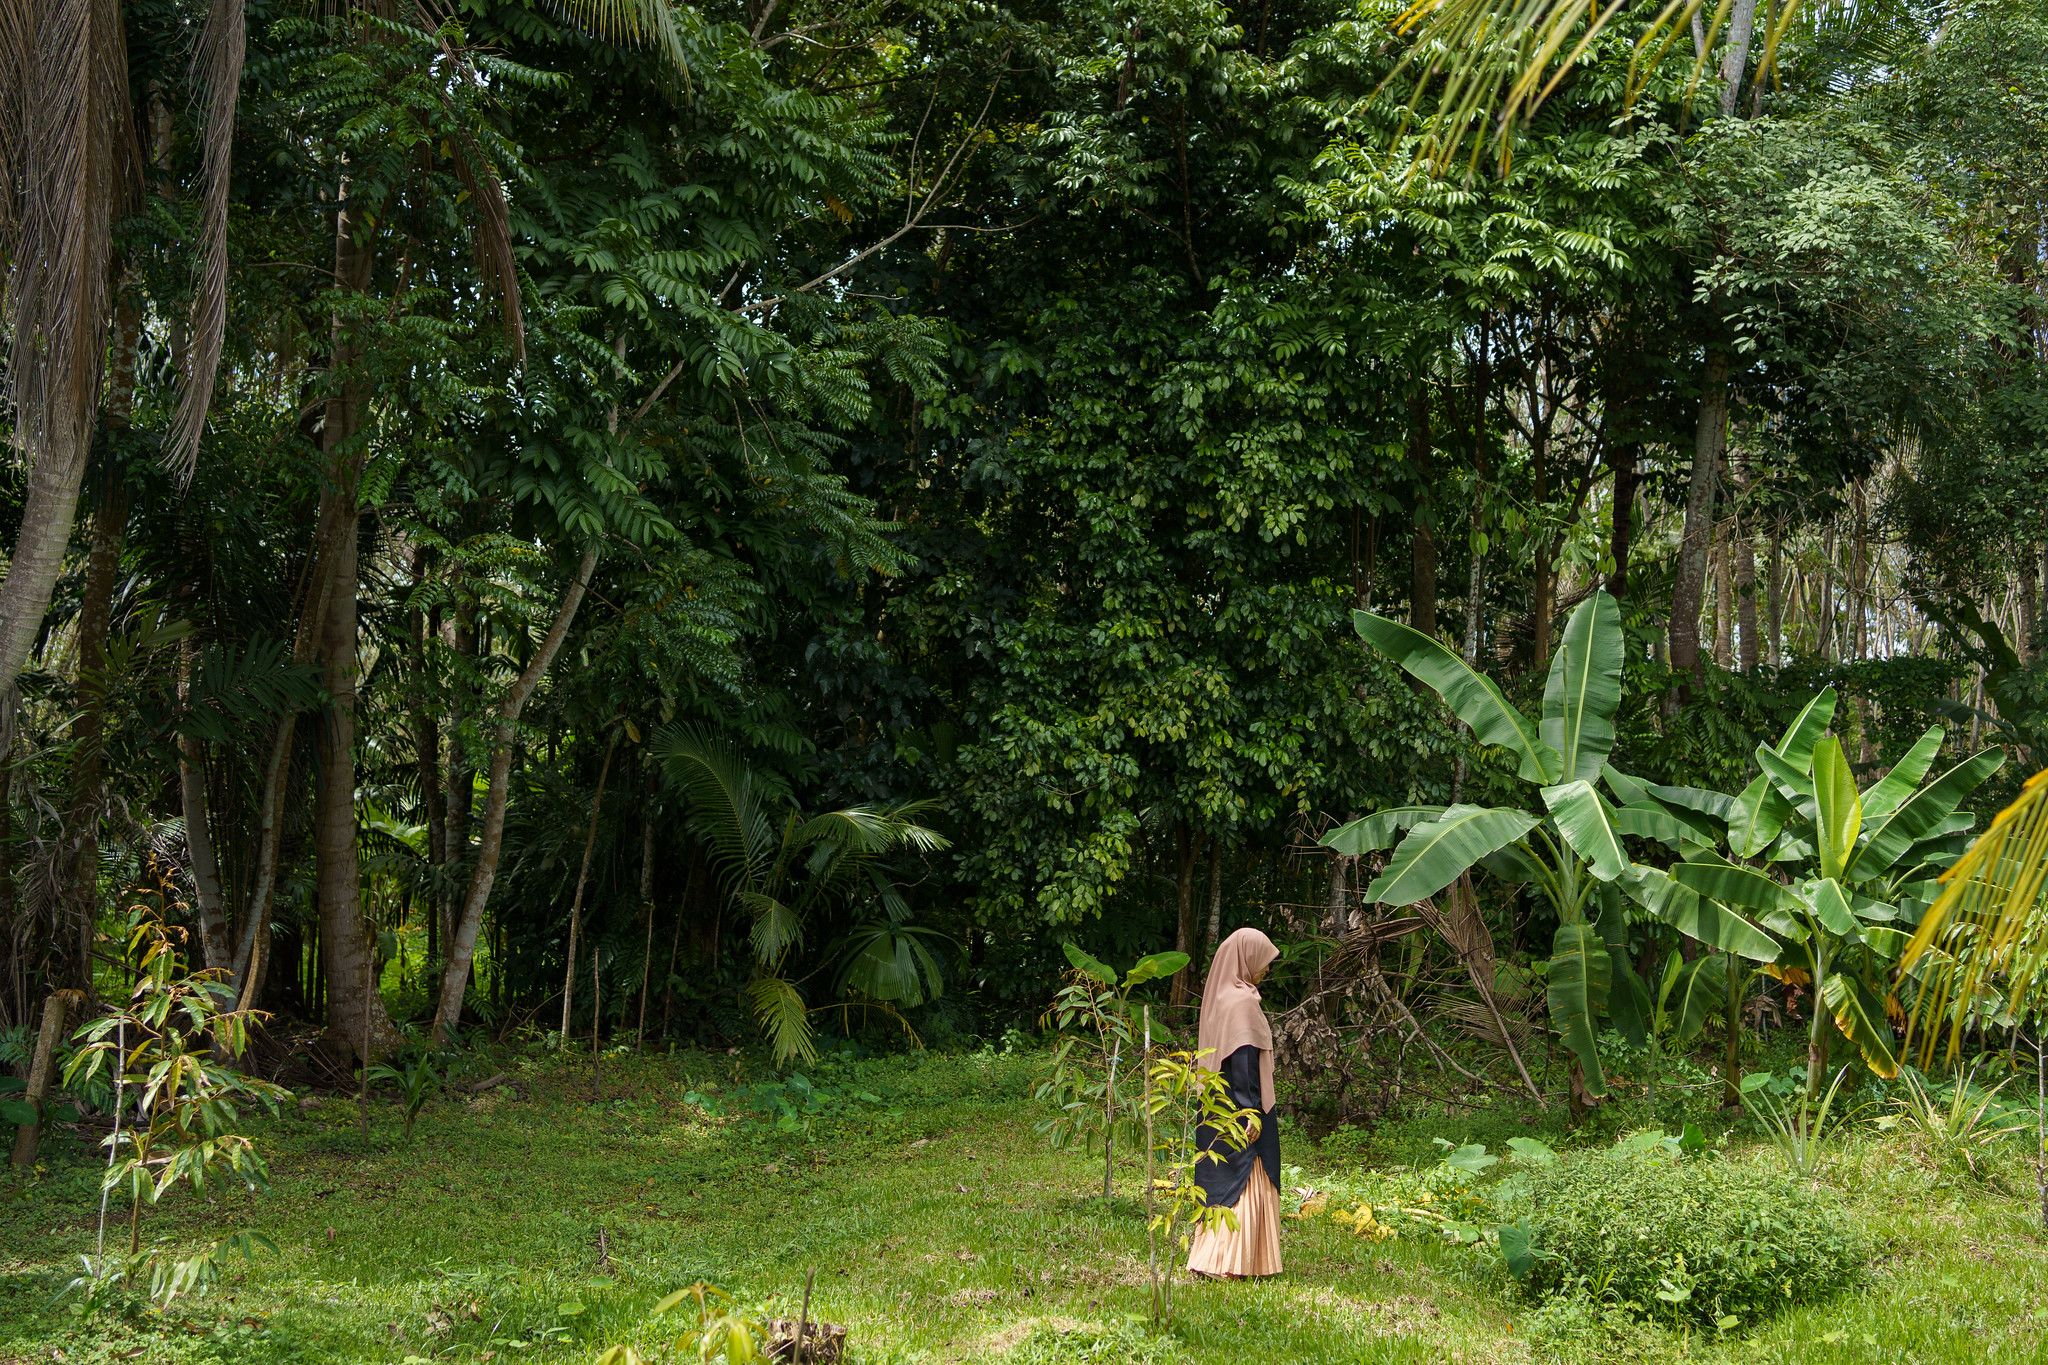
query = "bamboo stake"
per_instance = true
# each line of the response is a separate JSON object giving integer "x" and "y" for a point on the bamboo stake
{"x": 1151, "y": 1232}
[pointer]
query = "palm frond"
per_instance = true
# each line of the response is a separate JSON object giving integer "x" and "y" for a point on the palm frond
{"x": 1491, "y": 65}
{"x": 1988, "y": 930}
{"x": 651, "y": 23}
{"x": 74, "y": 144}
{"x": 217, "y": 76}
{"x": 727, "y": 798}
{"x": 777, "y": 927}
{"x": 779, "y": 1009}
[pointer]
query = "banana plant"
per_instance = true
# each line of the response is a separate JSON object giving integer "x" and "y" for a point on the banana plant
{"x": 1834, "y": 877}
{"x": 1566, "y": 842}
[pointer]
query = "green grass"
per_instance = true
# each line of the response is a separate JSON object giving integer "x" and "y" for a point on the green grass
{"x": 940, "y": 1230}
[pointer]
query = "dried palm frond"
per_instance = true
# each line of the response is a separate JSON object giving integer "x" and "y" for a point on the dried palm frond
{"x": 1987, "y": 931}
{"x": 217, "y": 78}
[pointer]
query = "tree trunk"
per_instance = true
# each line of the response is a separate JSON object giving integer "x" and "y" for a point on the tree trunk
{"x": 1778, "y": 592}
{"x": 1735, "y": 57}
{"x": 1724, "y": 599}
{"x": 1422, "y": 565}
{"x": 82, "y": 815}
{"x": 646, "y": 908}
{"x": 1859, "y": 575}
{"x": 1215, "y": 925}
{"x": 1623, "y": 459}
{"x": 576, "y": 902}
{"x": 1542, "y": 581}
{"x": 426, "y": 739}
{"x": 44, "y": 1062}
{"x": 68, "y": 77}
{"x": 1188, "y": 843}
{"x": 1689, "y": 585}
{"x": 2030, "y": 594}
{"x": 355, "y": 1010}
{"x": 213, "y": 924}
{"x": 462, "y": 945}
{"x": 1743, "y": 543}
{"x": 461, "y": 779}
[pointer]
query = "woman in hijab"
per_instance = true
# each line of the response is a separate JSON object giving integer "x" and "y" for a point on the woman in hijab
{"x": 1235, "y": 1040}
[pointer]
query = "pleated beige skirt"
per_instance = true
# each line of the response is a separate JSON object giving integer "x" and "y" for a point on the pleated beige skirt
{"x": 1254, "y": 1249}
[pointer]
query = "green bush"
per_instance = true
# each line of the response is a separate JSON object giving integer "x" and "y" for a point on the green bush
{"x": 1698, "y": 1239}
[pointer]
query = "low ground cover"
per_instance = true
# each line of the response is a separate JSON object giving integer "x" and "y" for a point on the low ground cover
{"x": 528, "y": 1223}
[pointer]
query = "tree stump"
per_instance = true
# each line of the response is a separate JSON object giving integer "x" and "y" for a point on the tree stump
{"x": 824, "y": 1343}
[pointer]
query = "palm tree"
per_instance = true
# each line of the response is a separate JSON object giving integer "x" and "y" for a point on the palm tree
{"x": 784, "y": 869}
{"x": 70, "y": 167}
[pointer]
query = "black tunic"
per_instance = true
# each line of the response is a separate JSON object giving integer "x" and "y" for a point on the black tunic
{"x": 1224, "y": 1181}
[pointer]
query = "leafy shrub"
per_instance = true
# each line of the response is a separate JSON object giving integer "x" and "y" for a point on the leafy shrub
{"x": 1696, "y": 1239}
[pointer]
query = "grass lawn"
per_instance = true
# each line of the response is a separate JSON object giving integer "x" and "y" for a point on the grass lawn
{"x": 939, "y": 1227}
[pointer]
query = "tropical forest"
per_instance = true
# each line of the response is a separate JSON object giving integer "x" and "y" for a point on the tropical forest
{"x": 1031, "y": 682}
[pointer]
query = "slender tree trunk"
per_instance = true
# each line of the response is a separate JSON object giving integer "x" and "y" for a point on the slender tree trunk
{"x": 2030, "y": 597}
{"x": 646, "y": 908}
{"x": 1743, "y": 543}
{"x": 1475, "y": 597}
{"x": 356, "y": 1014}
{"x": 461, "y": 779}
{"x": 213, "y": 925}
{"x": 1215, "y": 926}
{"x": 1859, "y": 575}
{"x": 1724, "y": 604}
{"x": 82, "y": 816}
{"x": 426, "y": 739}
{"x": 1188, "y": 844}
{"x": 1542, "y": 578}
{"x": 675, "y": 942}
{"x": 582, "y": 879}
{"x": 1689, "y": 585}
{"x": 1735, "y": 56}
{"x": 1624, "y": 459}
{"x": 1778, "y": 592}
{"x": 1422, "y": 560}
{"x": 462, "y": 947}
{"x": 41, "y": 1067}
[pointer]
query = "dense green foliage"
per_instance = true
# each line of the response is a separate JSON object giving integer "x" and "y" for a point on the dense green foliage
{"x": 1688, "y": 1239}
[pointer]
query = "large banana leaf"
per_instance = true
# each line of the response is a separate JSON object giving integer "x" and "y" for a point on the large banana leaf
{"x": 1760, "y": 811}
{"x": 1584, "y": 689}
{"x": 1650, "y": 821}
{"x": 1830, "y": 905}
{"x": 1793, "y": 783}
{"x": 1513, "y": 864}
{"x": 1715, "y": 804}
{"x": 1860, "y": 1017}
{"x": 1471, "y": 696}
{"x": 1838, "y": 807}
{"x": 1694, "y": 915}
{"x": 1628, "y": 1001}
{"x": 1626, "y": 789}
{"x": 1795, "y": 747}
{"x": 1918, "y": 816}
{"x": 1734, "y": 885}
{"x": 1371, "y": 833}
{"x": 1577, "y": 991}
{"x": 1433, "y": 854}
{"x": 1898, "y": 784}
{"x": 1583, "y": 819}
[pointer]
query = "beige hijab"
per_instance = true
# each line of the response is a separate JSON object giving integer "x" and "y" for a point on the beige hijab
{"x": 1231, "y": 1012}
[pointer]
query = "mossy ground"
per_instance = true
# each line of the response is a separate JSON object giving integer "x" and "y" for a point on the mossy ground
{"x": 939, "y": 1227}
